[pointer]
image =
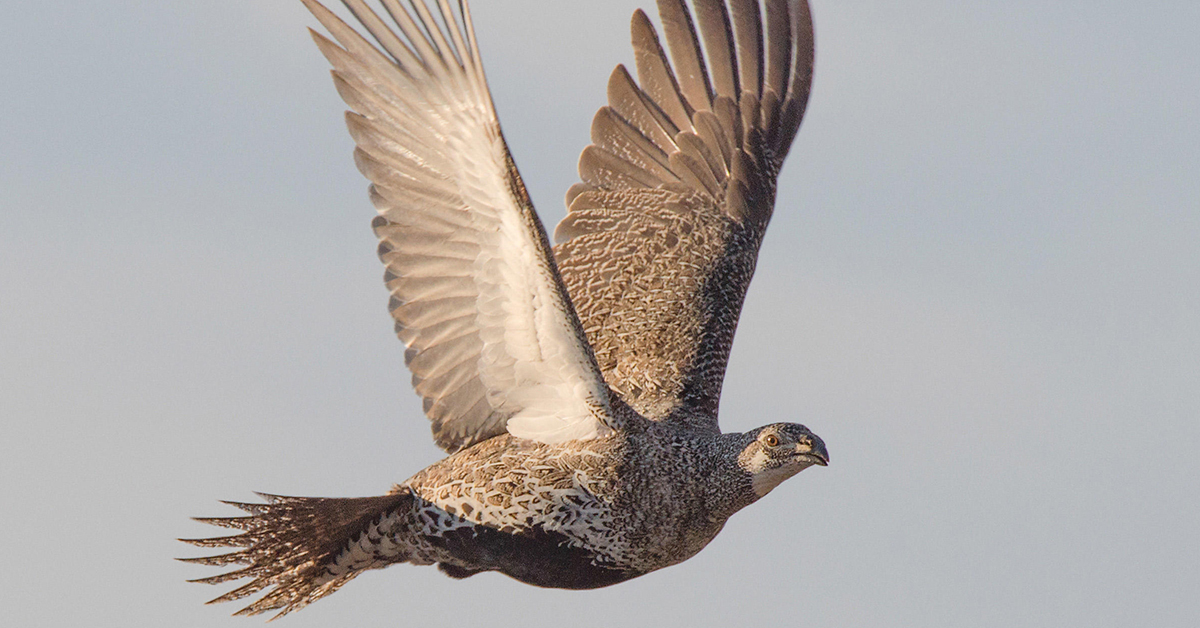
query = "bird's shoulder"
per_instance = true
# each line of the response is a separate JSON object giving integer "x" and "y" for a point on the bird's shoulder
{"x": 506, "y": 477}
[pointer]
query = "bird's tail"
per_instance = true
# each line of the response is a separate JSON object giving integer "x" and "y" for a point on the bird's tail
{"x": 306, "y": 547}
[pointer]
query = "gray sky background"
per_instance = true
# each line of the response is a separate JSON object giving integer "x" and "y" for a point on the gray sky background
{"x": 981, "y": 288}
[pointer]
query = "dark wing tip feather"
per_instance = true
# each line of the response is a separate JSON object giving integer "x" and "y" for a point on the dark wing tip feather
{"x": 684, "y": 45}
{"x": 716, "y": 30}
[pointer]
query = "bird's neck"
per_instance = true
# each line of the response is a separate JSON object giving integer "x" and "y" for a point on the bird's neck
{"x": 730, "y": 488}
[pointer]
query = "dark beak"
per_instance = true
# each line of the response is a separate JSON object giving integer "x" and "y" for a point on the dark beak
{"x": 815, "y": 450}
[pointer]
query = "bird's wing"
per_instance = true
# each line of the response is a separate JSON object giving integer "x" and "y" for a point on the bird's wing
{"x": 493, "y": 342}
{"x": 661, "y": 237}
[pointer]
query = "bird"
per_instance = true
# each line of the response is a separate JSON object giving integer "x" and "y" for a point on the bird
{"x": 574, "y": 387}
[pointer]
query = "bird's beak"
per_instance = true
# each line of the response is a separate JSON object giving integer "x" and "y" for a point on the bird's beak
{"x": 813, "y": 448}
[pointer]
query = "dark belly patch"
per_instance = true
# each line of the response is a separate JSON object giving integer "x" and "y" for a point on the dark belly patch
{"x": 533, "y": 556}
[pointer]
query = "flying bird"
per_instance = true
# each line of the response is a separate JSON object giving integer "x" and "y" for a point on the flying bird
{"x": 575, "y": 387}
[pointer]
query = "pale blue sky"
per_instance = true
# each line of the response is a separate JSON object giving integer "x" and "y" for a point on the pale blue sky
{"x": 981, "y": 288}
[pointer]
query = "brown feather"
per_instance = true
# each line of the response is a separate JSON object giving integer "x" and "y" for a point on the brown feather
{"x": 658, "y": 276}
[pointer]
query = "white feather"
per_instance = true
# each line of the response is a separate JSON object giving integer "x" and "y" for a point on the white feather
{"x": 429, "y": 141}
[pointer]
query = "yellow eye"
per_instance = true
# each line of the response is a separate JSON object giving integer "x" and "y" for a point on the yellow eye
{"x": 771, "y": 440}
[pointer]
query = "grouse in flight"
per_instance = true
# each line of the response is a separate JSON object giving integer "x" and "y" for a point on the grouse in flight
{"x": 575, "y": 387}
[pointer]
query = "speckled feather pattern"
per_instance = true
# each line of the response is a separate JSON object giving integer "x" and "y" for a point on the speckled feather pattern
{"x": 662, "y": 235}
{"x": 576, "y": 388}
{"x": 588, "y": 494}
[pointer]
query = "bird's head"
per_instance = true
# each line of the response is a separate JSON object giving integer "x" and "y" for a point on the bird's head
{"x": 779, "y": 451}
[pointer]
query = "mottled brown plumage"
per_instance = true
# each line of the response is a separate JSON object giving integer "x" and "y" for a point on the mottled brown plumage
{"x": 576, "y": 388}
{"x": 661, "y": 238}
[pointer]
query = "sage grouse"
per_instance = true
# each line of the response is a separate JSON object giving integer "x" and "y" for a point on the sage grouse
{"x": 575, "y": 387}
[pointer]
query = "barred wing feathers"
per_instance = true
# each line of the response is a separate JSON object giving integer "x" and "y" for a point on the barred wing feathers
{"x": 662, "y": 234}
{"x": 493, "y": 342}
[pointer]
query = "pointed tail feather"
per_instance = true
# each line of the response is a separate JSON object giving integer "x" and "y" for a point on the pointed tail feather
{"x": 305, "y": 547}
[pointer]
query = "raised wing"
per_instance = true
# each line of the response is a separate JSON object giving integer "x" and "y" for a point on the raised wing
{"x": 662, "y": 235}
{"x": 492, "y": 339}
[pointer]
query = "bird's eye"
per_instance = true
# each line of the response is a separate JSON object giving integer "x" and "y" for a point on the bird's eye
{"x": 771, "y": 440}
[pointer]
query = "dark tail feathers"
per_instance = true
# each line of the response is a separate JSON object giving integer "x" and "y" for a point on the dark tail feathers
{"x": 294, "y": 543}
